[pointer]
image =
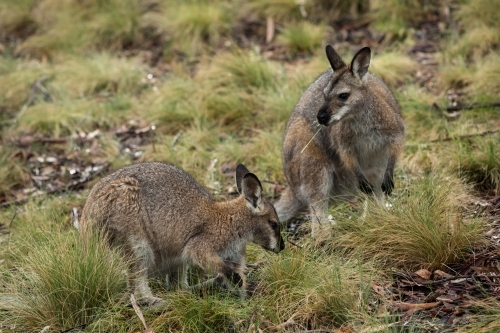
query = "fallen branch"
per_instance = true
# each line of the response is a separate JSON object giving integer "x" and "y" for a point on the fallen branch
{"x": 139, "y": 314}
{"x": 404, "y": 306}
{"x": 466, "y": 136}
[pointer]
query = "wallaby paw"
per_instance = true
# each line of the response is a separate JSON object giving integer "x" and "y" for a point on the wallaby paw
{"x": 366, "y": 187}
{"x": 387, "y": 186}
{"x": 232, "y": 275}
{"x": 236, "y": 279}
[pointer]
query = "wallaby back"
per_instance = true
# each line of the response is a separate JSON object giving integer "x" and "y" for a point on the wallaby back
{"x": 344, "y": 134}
{"x": 164, "y": 221}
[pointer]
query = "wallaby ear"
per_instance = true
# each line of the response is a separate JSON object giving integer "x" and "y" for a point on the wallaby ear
{"x": 252, "y": 190}
{"x": 241, "y": 171}
{"x": 333, "y": 57}
{"x": 361, "y": 62}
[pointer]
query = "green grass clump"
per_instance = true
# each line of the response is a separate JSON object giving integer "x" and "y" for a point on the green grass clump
{"x": 76, "y": 26}
{"x": 480, "y": 80}
{"x": 478, "y": 161}
{"x": 398, "y": 18}
{"x": 15, "y": 17}
{"x": 481, "y": 29}
{"x": 64, "y": 282}
{"x": 244, "y": 70}
{"x": 422, "y": 230}
{"x": 484, "y": 318}
{"x": 97, "y": 74}
{"x": 16, "y": 79}
{"x": 281, "y": 10}
{"x": 173, "y": 106}
{"x": 234, "y": 84}
{"x": 13, "y": 175}
{"x": 195, "y": 25}
{"x": 315, "y": 288}
{"x": 302, "y": 37}
{"x": 393, "y": 68}
{"x": 56, "y": 119}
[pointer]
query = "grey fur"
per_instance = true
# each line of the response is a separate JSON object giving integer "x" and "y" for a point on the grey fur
{"x": 164, "y": 221}
{"x": 358, "y": 135}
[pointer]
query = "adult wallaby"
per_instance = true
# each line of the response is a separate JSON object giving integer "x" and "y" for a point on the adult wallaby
{"x": 344, "y": 134}
{"x": 164, "y": 221}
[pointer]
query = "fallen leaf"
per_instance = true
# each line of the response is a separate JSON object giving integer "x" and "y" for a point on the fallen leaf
{"x": 442, "y": 274}
{"x": 424, "y": 274}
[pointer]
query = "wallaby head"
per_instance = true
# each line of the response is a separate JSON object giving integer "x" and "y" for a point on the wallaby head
{"x": 264, "y": 220}
{"x": 344, "y": 95}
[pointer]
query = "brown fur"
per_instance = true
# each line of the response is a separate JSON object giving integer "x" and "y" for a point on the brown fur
{"x": 164, "y": 221}
{"x": 361, "y": 134}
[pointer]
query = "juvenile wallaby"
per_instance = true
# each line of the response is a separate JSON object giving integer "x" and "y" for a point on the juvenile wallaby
{"x": 344, "y": 134}
{"x": 163, "y": 220}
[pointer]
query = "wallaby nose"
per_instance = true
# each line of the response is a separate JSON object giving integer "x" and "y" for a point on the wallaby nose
{"x": 323, "y": 116}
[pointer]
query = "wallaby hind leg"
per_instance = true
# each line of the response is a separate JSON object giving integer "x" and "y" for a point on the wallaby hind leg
{"x": 287, "y": 206}
{"x": 142, "y": 257}
{"x": 318, "y": 212}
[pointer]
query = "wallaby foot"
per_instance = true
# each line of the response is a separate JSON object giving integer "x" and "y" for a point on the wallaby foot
{"x": 150, "y": 301}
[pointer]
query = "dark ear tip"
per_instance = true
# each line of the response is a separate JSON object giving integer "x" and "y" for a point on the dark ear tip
{"x": 241, "y": 169}
{"x": 328, "y": 47}
{"x": 251, "y": 175}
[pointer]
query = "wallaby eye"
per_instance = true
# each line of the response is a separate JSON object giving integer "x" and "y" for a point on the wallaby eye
{"x": 274, "y": 225}
{"x": 343, "y": 96}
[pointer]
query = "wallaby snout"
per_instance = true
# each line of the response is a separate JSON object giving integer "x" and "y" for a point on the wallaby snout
{"x": 357, "y": 147}
{"x": 323, "y": 116}
{"x": 164, "y": 222}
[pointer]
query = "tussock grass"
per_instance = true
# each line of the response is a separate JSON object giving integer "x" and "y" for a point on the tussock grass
{"x": 172, "y": 106}
{"x": 65, "y": 282}
{"x": 12, "y": 173}
{"x": 98, "y": 73}
{"x": 281, "y": 10}
{"x": 16, "y": 78}
{"x": 318, "y": 289}
{"x": 239, "y": 70}
{"x": 57, "y": 119}
{"x": 422, "y": 230}
{"x": 394, "y": 17}
{"x": 302, "y": 37}
{"x": 485, "y": 317}
{"x": 195, "y": 25}
{"x": 73, "y": 26}
{"x": 457, "y": 75}
{"x": 313, "y": 10}
{"x": 233, "y": 85}
{"x": 15, "y": 17}
{"x": 478, "y": 161}
{"x": 487, "y": 78}
{"x": 393, "y": 68}
{"x": 480, "y": 80}
{"x": 188, "y": 312}
{"x": 476, "y": 42}
{"x": 481, "y": 29}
